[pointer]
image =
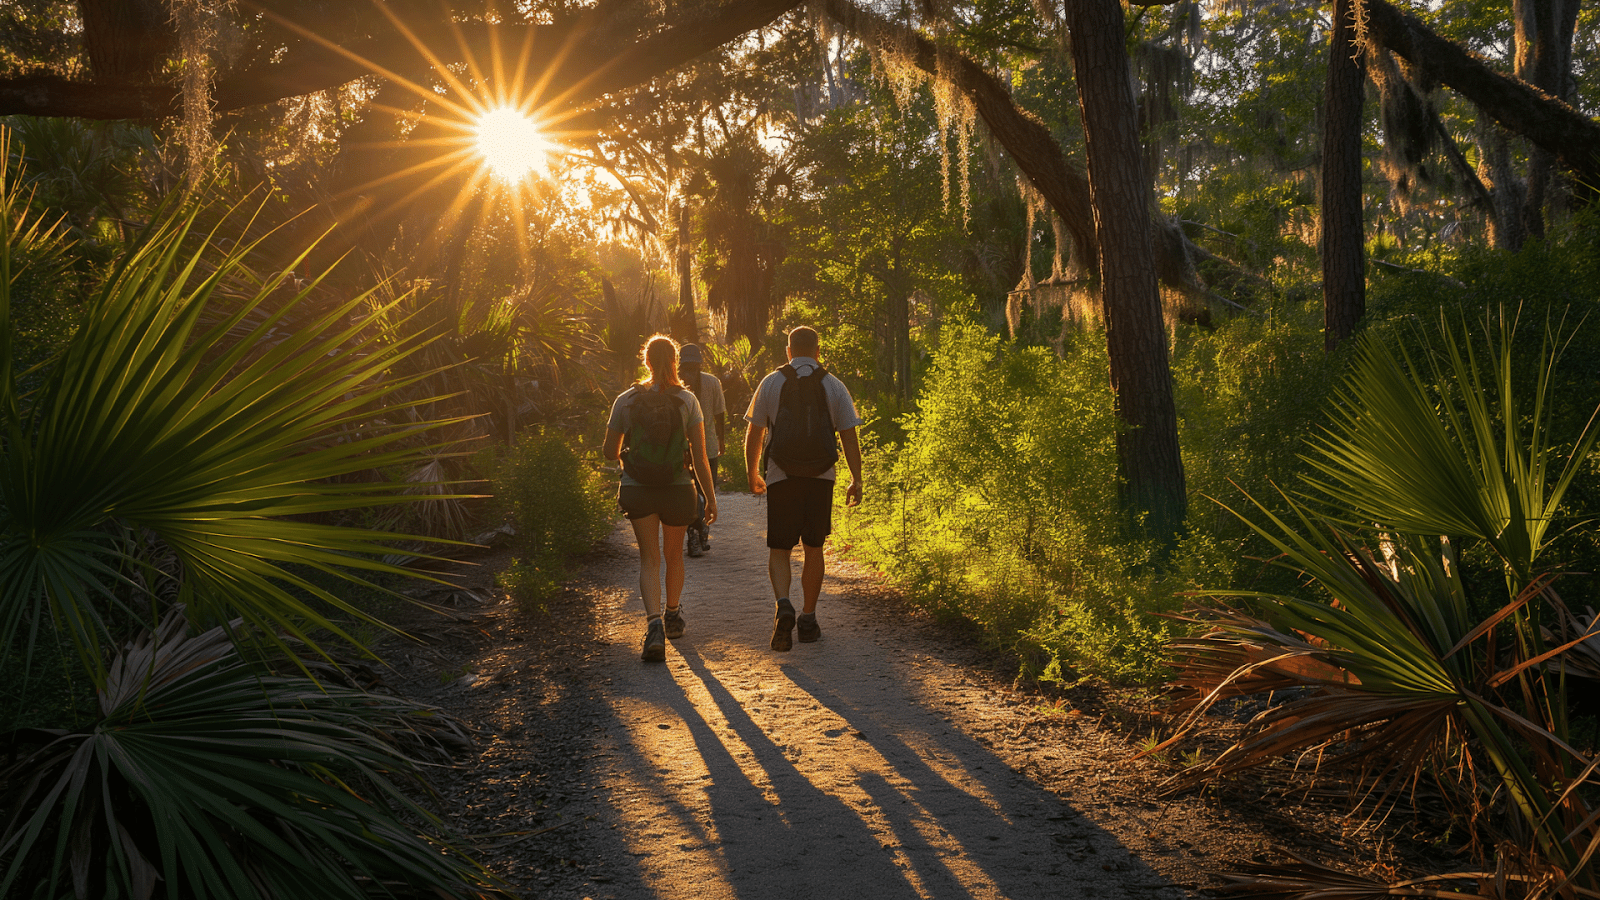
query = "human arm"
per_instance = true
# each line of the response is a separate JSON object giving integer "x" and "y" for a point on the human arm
{"x": 722, "y": 430}
{"x": 851, "y": 445}
{"x": 612, "y": 448}
{"x": 702, "y": 469}
{"x": 752, "y": 457}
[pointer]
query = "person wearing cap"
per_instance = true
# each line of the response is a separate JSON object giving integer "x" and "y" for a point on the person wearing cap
{"x": 708, "y": 390}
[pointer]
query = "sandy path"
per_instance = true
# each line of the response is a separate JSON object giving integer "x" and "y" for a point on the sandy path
{"x": 826, "y": 772}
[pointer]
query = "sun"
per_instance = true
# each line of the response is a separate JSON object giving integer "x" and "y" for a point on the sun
{"x": 510, "y": 143}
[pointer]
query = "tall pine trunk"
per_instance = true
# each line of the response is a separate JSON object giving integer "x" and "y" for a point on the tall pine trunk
{"x": 1149, "y": 466}
{"x": 1344, "y": 279}
{"x": 686, "y": 324}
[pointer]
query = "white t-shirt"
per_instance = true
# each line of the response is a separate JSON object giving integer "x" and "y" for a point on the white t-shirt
{"x": 715, "y": 404}
{"x": 764, "y": 408}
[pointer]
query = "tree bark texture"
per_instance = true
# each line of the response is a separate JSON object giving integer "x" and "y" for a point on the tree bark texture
{"x": 1542, "y": 38}
{"x": 126, "y": 40}
{"x": 685, "y": 310}
{"x": 1150, "y": 468}
{"x": 1519, "y": 107}
{"x": 1344, "y": 279}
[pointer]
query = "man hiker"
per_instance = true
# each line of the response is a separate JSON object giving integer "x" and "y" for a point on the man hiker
{"x": 708, "y": 390}
{"x": 801, "y": 406}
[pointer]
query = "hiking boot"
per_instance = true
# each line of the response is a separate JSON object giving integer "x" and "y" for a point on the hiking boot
{"x": 782, "y": 624}
{"x": 655, "y": 643}
{"x": 673, "y": 620}
{"x": 808, "y": 628}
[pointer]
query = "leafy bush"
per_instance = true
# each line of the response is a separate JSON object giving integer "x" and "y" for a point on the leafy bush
{"x": 1000, "y": 504}
{"x": 558, "y": 505}
{"x": 731, "y": 469}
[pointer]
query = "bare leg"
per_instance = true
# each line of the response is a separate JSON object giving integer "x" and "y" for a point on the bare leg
{"x": 672, "y": 539}
{"x": 811, "y": 577}
{"x": 778, "y": 571}
{"x": 647, "y": 532}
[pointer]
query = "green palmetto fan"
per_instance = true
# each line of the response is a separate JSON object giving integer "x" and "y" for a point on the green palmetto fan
{"x": 212, "y": 425}
{"x": 202, "y": 778}
{"x": 1404, "y": 665}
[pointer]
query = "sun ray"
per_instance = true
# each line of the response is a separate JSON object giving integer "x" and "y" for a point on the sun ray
{"x": 373, "y": 66}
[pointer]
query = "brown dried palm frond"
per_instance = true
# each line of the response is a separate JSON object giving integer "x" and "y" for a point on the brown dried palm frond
{"x": 1306, "y": 880}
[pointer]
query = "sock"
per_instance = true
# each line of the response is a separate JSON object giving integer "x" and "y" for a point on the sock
{"x": 654, "y": 618}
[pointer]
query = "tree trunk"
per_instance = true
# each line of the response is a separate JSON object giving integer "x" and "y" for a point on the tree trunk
{"x": 688, "y": 324}
{"x": 1150, "y": 467}
{"x": 126, "y": 40}
{"x": 1025, "y": 138}
{"x": 1344, "y": 280}
{"x": 1542, "y": 38}
{"x": 1519, "y": 107}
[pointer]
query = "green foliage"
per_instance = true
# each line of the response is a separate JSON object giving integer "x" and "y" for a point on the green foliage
{"x": 208, "y": 778}
{"x": 1546, "y": 289}
{"x": 1000, "y": 506}
{"x": 1247, "y": 394}
{"x": 558, "y": 504}
{"x": 1000, "y": 502}
{"x": 1411, "y": 660}
{"x": 731, "y": 468}
{"x": 181, "y": 451}
{"x": 98, "y": 514}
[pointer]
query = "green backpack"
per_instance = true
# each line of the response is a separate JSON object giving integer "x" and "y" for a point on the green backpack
{"x": 656, "y": 444}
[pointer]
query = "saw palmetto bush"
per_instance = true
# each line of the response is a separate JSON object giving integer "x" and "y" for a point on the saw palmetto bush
{"x": 1410, "y": 662}
{"x": 178, "y": 452}
{"x": 200, "y": 776}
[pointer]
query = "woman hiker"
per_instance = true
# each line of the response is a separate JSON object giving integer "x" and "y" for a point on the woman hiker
{"x": 651, "y": 425}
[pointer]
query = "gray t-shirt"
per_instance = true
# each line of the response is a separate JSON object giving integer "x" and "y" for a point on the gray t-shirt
{"x": 715, "y": 405}
{"x": 619, "y": 423}
{"x": 764, "y": 408}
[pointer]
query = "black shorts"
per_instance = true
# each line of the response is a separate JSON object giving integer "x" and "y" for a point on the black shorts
{"x": 799, "y": 509}
{"x": 676, "y": 504}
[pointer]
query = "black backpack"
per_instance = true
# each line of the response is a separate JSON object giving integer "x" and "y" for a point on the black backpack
{"x": 655, "y": 446}
{"x": 803, "y": 442}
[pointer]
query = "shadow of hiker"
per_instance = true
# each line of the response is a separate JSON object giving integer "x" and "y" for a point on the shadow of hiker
{"x": 987, "y": 817}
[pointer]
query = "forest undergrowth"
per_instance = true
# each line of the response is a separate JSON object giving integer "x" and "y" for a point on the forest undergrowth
{"x": 994, "y": 499}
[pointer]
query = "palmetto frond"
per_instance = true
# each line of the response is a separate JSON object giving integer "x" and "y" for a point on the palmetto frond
{"x": 215, "y": 432}
{"x": 1397, "y": 663}
{"x": 210, "y": 779}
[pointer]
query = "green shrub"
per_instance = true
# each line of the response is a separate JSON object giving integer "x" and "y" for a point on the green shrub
{"x": 559, "y": 505}
{"x": 1000, "y": 504}
{"x": 731, "y": 469}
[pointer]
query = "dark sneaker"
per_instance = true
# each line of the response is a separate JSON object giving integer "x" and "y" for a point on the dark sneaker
{"x": 673, "y": 620}
{"x": 808, "y": 628}
{"x": 693, "y": 543}
{"x": 655, "y": 643}
{"x": 782, "y": 624}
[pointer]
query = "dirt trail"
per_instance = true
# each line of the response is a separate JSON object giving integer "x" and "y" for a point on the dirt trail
{"x": 829, "y": 771}
{"x": 888, "y": 760}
